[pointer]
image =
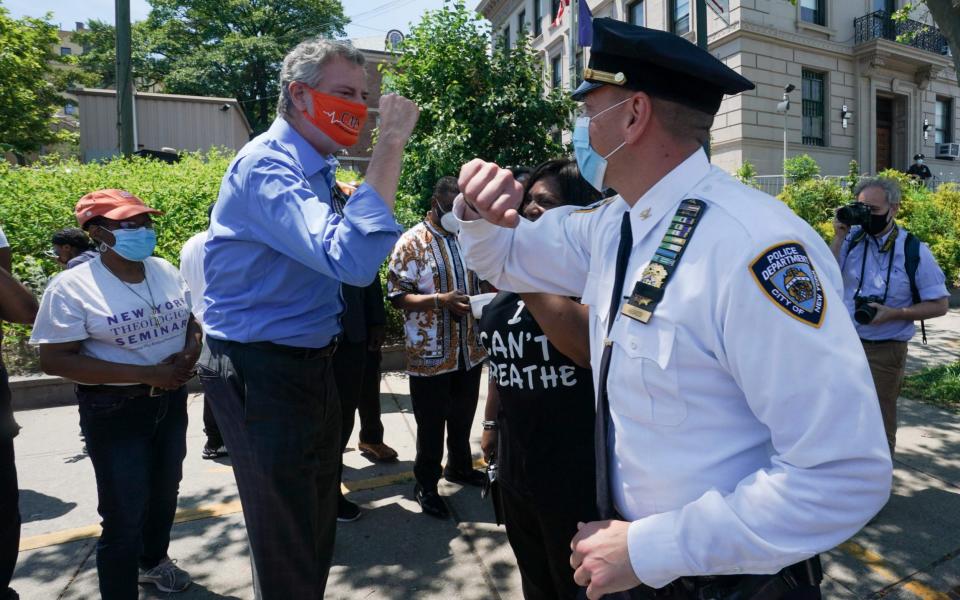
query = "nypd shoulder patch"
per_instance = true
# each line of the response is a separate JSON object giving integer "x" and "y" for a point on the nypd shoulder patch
{"x": 788, "y": 279}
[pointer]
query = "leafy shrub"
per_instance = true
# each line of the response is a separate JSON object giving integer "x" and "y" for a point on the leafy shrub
{"x": 37, "y": 201}
{"x": 814, "y": 201}
{"x": 801, "y": 168}
{"x": 746, "y": 173}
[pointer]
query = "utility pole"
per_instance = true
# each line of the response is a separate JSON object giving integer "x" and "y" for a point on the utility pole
{"x": 702, "y": 42}
{"x": 124, "y": 80}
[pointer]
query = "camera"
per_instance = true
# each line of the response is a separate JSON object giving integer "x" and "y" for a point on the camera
{"x": 863, "y": 313}
{"x": 855, "y": 213}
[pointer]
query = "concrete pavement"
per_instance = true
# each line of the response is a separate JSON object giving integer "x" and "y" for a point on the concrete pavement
{"x": 911, "y": 550}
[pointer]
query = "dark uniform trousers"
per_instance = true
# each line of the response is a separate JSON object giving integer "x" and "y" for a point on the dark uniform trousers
{"x": 887, "y": 362}
{"x": 357, "y": 373}
{"x": 448, "y": 399}
{"x": 279, "y": 415}
{"x": 9, "y": 491}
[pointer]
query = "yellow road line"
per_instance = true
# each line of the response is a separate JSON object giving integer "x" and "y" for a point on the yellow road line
{"x": 204, "y": 511}
{"x": 875, "y": 563}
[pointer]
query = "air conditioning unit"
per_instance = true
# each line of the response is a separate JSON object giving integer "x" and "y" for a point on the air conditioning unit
{"x": 948, "y": 151}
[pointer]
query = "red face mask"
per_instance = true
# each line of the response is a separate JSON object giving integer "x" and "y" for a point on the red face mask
{"x": 340, "y": 119}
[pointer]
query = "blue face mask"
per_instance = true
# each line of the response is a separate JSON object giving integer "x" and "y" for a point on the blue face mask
{"x": 134, "y": 244}
{"x": 592, "y": 166}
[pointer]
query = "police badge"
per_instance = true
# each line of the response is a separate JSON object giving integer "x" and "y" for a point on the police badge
{"x": 786, "y": 276}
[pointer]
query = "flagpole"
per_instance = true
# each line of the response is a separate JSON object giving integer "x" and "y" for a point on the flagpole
{"x": 574, "y": 9}
{"x": 702, "y": 42}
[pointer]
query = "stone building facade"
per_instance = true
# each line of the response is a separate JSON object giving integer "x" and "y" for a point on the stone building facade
{"x": 859, "y": 94}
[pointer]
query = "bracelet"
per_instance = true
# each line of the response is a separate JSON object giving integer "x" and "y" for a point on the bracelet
{"x": 490, "y": 425}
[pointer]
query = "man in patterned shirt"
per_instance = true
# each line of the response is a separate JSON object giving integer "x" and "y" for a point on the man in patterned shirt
{"x": 429, "y": 281}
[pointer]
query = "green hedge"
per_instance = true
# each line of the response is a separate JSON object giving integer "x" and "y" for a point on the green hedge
{"x": 934, "y": 217}
{"x": 36, "y": 201}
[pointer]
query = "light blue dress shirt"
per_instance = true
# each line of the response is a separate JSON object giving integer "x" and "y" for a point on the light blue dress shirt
{"x": 930, "y": 281}
{"x": 278, "y": 252}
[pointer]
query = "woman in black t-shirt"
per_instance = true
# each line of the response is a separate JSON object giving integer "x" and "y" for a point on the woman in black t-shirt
{"x": 539, "y": 416}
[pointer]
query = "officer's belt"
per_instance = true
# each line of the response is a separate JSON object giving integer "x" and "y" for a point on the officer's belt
{"x": 648, "y": 292}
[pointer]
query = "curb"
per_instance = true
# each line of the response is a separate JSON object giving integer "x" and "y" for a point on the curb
{"x": 33, "y": 392}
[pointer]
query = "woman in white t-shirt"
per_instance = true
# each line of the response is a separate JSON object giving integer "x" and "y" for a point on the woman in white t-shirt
{"x": 121, "y": 327}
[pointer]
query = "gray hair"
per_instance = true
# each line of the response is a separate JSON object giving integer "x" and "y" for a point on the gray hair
{"x": 305, "y": 64}
{"x": 890, "y": 187}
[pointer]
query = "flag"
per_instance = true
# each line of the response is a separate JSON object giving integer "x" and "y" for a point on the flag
{"x": 584, "y": 24}
{"x": 560, "y": 10}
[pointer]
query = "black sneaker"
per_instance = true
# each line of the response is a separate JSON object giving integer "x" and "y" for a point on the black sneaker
{"x": 347, "y": 511}
{"x": 430, "y": 502}
{"x": 472, "y": 477}
{"x": 211, "y": 451}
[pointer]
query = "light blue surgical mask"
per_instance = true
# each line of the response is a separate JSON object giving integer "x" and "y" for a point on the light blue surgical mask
{"x": 134, "y": 244}
{"x": 592, "y": 166}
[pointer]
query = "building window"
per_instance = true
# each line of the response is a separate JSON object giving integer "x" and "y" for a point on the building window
{"x": 556, "y": 72}
{"x": 680, "y": 17}
{"x": 887, "y": 6}
{"x": 635, "y": 13}
{"x": 579, "y": 66}
{"x": 69, "y": 109}
{"x": 537, "y": 18}
{"x": 521, "y": 22}
{"x": 813, "y": 109}
{"x": 65, "y": 51}
{"x": 554, "y": 9}
{"x": 942, "y": 121}
{"x": 506, "y": 37}
{"x": 813, "y": 11}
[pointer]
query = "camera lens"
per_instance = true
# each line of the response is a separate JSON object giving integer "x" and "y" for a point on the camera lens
{"x": 864, "y": 314}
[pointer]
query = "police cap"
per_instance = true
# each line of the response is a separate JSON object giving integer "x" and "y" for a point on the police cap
{"x": 918, "y": 157}
{"x": 659, "y": 63}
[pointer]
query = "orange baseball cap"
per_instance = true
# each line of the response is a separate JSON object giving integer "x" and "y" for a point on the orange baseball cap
{"x": 112, "y": 204}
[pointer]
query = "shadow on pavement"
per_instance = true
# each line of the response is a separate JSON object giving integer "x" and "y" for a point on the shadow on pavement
{"x": 35, "y": 506}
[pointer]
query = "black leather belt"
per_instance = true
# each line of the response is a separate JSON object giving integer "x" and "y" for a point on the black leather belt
{"x": 130, "y": 391}
{"x": 295, "y": 351}
{"x": 737, "y": 587}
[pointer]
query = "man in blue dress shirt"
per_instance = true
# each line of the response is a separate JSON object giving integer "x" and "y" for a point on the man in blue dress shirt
{"x": 281, "y": 244}
{"x": 877, "y": 291}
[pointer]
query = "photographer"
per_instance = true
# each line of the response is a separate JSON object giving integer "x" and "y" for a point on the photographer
{"x": 890, "y": 280}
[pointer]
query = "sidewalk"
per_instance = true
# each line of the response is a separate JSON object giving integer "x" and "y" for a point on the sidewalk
{"x": 912, "y": 550}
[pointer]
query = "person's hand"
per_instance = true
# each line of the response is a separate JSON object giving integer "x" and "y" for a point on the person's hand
{"x": 456, "y": 302}
{"x": 600, "y": 558}
{"x": 885, "y": 314}
{"x": 165, "y": 376}
{"x": 840, "y": 230}
{"x": 490, "y": 192}
{"x": 398, "y": 117}
{"x": 376, "y": 334}
{"x": 488, "y": 444}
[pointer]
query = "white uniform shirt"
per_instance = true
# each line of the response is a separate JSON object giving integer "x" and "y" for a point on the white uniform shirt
{"x": 744, "y": 439}
{"x": 191, "y": 269}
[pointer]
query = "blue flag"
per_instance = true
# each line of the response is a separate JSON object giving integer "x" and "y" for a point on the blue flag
{"x": 584, "y": 24}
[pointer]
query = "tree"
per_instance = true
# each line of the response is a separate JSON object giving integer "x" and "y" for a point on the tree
{"x": 30, "y": 85}
{"x": 235, "y": 48}
{"x": 99, "y": 42}
{"x": 473, "y": 102}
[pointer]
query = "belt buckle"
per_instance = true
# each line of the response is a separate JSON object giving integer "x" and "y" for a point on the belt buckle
{"x": 156, "y": 392}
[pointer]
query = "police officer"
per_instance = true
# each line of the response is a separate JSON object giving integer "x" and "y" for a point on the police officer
{"x": 742, "y": 435}
{"x": 918, "y": 169}
{"x": 878, "y": 292}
